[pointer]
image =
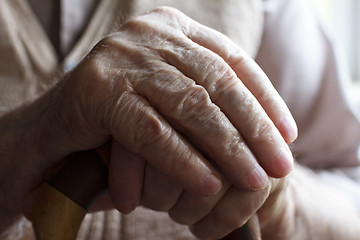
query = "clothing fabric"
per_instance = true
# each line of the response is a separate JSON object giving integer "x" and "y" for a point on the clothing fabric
{"x": 63, "y": 20}
{"x": 307, "y": 68}
{"x": 283, "y": 36}
{"x": 309, "y": 71}
{"x": 29, "y": 61}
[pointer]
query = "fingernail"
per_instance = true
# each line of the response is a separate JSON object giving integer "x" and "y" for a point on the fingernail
{"x": 125, "y": 206}
{"x": 288, "y": 129}
{"x": 284, "y": 162}
{"x": 212, "y": 185}
{"x": 258, "y": 179}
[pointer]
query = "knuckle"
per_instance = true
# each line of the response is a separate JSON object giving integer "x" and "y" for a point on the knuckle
{"x": 166, "y": 10}
{"x": 196, "y": 99}
{"x": 98, "y": 68}
{"x": 239, "y": 58}
{"x": 226, "y": 80}
{"x": 105, "y": 42}
{"x": 132, "y": 23}
{"x": 235, "y": 147}
{"x": 197, "y": 95}
{"x": 106, "y": 45}
{"x": 91, "y": 69}
{"x": 110, "y": 51}
{"x": 140, "y": 25}
{"x": 171, "y": 17}
{"x": 263, "y": 130}
{"x": 152, "y": 131}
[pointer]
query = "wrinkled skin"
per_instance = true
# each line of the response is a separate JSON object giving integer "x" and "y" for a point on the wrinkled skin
{"x": 213, "y": 217}
{"x": 208, "y": 216}
{"x": 179, "y": 102}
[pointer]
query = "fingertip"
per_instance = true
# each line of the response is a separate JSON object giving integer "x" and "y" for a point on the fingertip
{"x": 126, "y": 206}
{"x": 288, "y": 129}
{"x": 258, "y": 179}
{"x": 212, "y": 184}
{"x": 283, "y": 163}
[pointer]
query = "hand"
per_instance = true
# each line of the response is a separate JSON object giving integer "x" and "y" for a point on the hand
{"x": 214, "y": 217}
{"x": 237, "y": 137}
{"x": 160, "y": 86}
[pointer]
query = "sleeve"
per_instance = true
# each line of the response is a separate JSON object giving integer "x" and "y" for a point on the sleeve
{"x": 310, "y": 73}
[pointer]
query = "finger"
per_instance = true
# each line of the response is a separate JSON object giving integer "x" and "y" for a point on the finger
{"x": 140, "y": 129}
{"x": 126, "y": 172}
{"x": 188, "y": 107}
{"x": 245, "y": 68}
{"x": 190, "y": 207}
{"x": 252, "y": 76}
{"x": 160, "y": 192}
{"x": 236, "y": 100}
{"x": 238, "y": 104}
{"x": 232, "y": 212}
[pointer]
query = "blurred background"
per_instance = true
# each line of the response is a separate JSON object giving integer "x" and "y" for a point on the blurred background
{"x": 342, "y": 19}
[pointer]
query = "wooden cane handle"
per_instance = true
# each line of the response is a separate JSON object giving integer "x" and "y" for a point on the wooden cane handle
{"x": 63, "y": 202}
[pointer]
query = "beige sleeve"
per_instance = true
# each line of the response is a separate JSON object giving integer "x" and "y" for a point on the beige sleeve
{"x": 308, "y": 68}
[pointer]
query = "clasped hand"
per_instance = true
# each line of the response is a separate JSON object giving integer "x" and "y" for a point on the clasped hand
{"x": 181, "y": 105}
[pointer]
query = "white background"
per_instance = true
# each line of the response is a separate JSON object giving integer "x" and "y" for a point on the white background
{"x": 342, "y": 18}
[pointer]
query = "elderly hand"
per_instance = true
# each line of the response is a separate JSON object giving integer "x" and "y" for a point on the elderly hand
{"x": 213, "y": 94}
{"x": 214, "y": 217}
{"x": 168, "y": 91}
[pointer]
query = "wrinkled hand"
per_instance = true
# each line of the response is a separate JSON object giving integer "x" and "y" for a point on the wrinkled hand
{"x": 168, "y": 91}
{"x": 211, "y": 92}
{"x": 214, "y": 217}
